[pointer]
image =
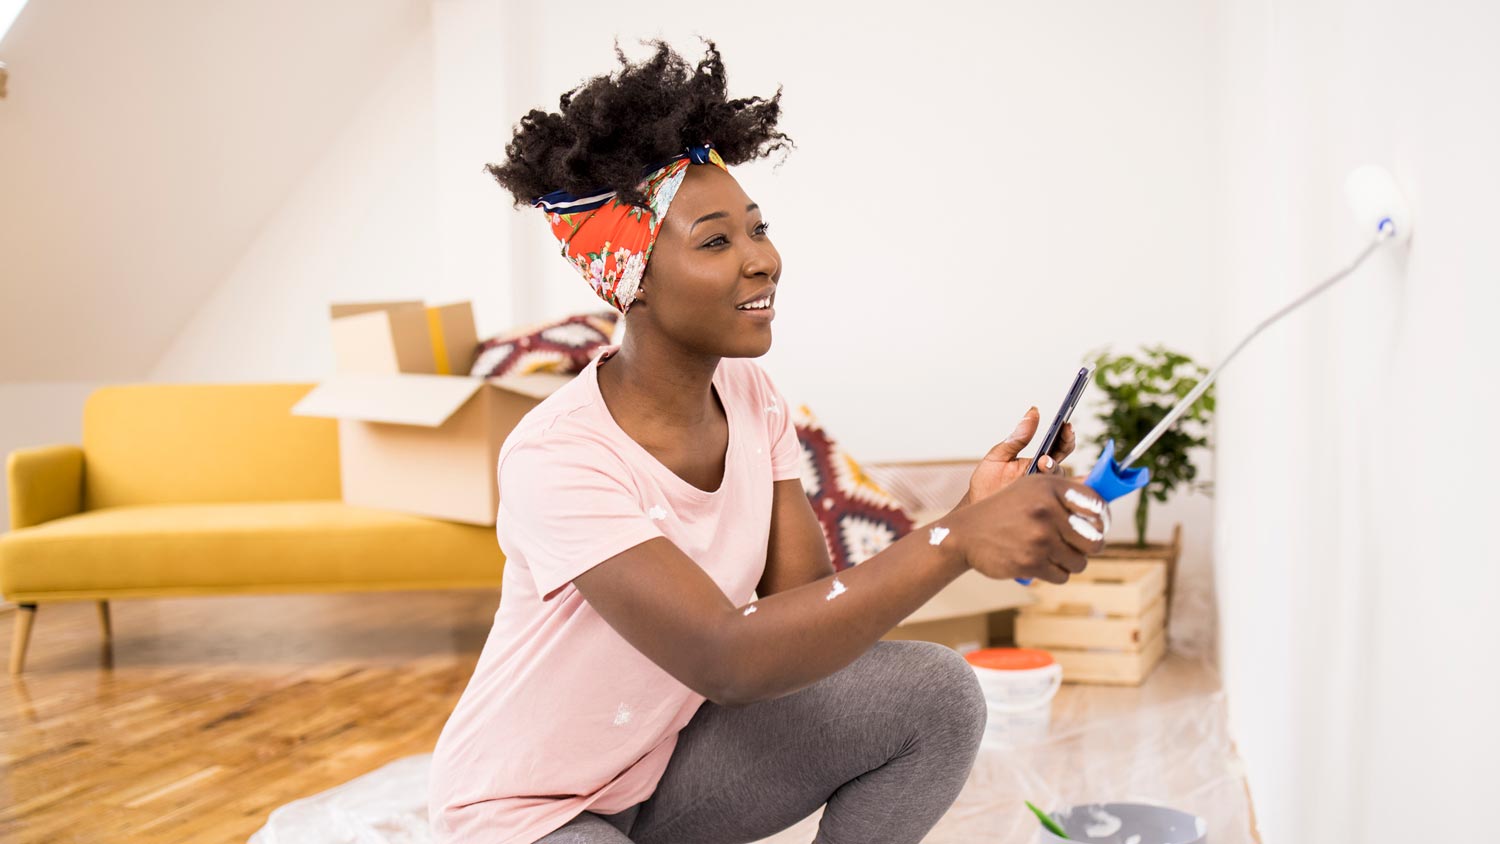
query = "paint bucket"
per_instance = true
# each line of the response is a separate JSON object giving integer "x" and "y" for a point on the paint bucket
{"x": 1126, "y": 823}
{"x": 1018, "y": 685}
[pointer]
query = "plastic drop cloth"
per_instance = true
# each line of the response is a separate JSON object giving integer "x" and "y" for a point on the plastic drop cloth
{"x": 1177, "y": 754}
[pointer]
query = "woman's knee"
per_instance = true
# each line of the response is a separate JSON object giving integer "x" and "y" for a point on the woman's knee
{"x": 938, "y": 683}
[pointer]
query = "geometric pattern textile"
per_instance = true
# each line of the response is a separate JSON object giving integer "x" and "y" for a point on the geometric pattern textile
{"x": 859, "y": 518}
{"x": 564, "y": 347}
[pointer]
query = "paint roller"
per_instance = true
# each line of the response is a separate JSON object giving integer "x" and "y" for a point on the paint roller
{"x": 1381, "y": 209}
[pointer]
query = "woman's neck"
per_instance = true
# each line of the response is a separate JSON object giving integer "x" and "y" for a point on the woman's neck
{"x": 660, "y": 388}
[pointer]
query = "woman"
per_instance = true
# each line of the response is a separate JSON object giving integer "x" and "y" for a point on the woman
{"x": 674, "y": 659}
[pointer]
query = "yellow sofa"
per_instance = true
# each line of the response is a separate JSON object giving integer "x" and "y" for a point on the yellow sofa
{"x": 210, "y": 489}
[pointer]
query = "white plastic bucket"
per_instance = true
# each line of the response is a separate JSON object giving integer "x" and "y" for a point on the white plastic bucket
{"x": 1018, "y": 684}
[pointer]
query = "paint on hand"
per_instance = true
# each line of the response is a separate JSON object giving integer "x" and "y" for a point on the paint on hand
{"x": 752, "y": 608}
{"x": 1083, "y": 527}
{"x": 622, "y": 715}
{"x": 773, "y": 408}
{"x": 1134, "y": 839}
{"x": 837, "y": 590}
{"x": 657, "y": 513}
{"x": 1104, "y": 824}
{"x": 937, "y": 536}
{"x": 1087, "y": 502}
{"x": 1201, "y": 826}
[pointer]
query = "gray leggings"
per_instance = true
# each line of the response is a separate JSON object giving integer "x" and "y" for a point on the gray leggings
{"x": 887, "y": 742}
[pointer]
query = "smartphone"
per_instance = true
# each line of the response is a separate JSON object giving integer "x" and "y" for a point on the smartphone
{"x": 1070, "y": 401}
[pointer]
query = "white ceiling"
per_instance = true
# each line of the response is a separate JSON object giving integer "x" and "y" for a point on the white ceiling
{"x": 142, "y": 147}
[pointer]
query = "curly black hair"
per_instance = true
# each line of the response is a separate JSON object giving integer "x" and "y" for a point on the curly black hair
{"x": 611, "y": 127}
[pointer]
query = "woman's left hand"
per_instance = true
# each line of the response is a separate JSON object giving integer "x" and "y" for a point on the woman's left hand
{"x": 1000, "y": 466}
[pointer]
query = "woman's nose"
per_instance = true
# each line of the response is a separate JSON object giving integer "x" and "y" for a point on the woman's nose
{"x": 762, "y": 260}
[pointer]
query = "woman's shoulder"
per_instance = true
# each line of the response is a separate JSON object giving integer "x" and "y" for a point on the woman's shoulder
{"x": 537, "y": 459}
{"x": 564, "y": 428}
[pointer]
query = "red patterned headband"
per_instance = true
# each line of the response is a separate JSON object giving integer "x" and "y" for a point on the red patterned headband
{"x": 608, "y": 241}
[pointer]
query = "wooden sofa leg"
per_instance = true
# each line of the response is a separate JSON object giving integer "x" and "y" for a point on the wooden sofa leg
{"x": 25, "y": 614}
{"x": 104, "y": 618}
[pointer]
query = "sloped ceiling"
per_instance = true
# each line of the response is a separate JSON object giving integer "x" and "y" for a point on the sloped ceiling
{"x": 142, "y": 146}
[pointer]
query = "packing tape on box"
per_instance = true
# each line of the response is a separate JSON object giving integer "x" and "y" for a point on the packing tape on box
{"x": 439, "y": 346}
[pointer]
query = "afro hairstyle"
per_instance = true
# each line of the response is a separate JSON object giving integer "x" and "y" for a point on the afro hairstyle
{"x": 612, "y": 127}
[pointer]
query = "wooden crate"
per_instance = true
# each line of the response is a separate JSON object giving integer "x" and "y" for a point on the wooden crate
{"x": 1105, "y": 625}
{"x": 1112, "y": 668}
{"x": 1170, "y": 552}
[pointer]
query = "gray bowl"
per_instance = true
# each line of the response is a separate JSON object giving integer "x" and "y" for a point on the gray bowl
{"x": 1123, "y": 822}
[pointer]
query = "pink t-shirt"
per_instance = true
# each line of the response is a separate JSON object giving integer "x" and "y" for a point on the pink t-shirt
{"x": 562, "y": 715}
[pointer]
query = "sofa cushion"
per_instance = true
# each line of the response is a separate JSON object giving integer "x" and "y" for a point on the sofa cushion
{"x": 564, "y": 346}
{"x": 859, "y": 518}
{"x": 187, "y": 549}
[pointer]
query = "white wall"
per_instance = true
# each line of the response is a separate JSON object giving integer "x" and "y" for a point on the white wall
{"x": 1355, "y": 567}
{"x": 399, "y": 206}
{"x": 142, "y": 147}
{"x": 152, "y": 160}
{"x": 359, "y": 226}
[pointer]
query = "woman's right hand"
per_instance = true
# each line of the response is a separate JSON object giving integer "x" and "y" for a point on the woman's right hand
{"x": 1041, "y": 526}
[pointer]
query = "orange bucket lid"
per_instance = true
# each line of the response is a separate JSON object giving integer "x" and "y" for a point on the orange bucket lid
{"x": 1010, "y": 659}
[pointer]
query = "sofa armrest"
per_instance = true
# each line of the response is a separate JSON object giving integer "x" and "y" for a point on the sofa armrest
{"x": 44, "y": 483}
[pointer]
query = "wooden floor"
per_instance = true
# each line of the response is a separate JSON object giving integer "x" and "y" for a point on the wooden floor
{"x": 207, "y": 713}
{"x": 213, "y": 711}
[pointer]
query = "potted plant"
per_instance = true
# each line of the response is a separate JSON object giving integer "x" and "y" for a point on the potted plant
{"x": 1138, "y": 391}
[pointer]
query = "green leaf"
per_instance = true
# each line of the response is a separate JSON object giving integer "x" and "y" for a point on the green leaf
{"x": 1047, "y": 821}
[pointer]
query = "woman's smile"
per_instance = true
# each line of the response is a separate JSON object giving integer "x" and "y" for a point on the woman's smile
{"x": 761, "y": 308}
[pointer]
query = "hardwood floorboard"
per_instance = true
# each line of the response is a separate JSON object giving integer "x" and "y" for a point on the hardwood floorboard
{"x": 205, "y": 714}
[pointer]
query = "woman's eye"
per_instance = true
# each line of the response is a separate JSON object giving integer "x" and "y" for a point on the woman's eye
{"x": 720, "y": 240}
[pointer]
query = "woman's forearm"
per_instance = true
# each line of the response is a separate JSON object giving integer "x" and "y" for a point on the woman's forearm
{"x": 789, "y": 640}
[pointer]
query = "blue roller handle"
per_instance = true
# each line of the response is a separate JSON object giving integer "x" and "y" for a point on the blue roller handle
{"x": 1110, "y": 481}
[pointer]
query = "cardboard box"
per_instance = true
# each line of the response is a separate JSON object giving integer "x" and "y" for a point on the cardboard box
{"x": 959, "y": 615}
{"x": 383, "y": 338}
{"x": 963, "y": 634}
{"x": 417, "y": 434}
{"x": 425, "y": 444}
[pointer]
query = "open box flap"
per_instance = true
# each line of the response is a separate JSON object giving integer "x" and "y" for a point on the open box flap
{"x": 405, "y": 399}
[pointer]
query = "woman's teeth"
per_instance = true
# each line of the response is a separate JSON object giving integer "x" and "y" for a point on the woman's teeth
{"x": 756, "y": 305}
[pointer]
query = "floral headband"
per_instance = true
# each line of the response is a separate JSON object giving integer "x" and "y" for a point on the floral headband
{"x": 609, "y": 241}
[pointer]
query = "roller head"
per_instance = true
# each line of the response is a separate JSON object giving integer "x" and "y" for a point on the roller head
{"x": 1378, "y": 203}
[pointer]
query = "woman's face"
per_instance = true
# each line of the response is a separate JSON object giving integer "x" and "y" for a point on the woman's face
{"x": 712, "y": 255}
